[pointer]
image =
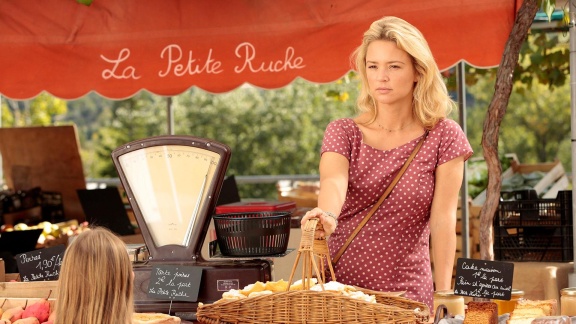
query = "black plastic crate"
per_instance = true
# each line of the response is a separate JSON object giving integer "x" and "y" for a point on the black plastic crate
{"x": 539, "y": 244}
{"x": 536, "y": 212}
{"x": 525, "y": 194}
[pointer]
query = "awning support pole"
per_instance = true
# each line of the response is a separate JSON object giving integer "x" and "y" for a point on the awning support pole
{"x": 464, "y": 215}
{"x": 170, "y": 115}
{"x": 571, "y": 26}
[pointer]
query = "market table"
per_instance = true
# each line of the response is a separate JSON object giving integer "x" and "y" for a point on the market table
{"x": 541, "y": 280}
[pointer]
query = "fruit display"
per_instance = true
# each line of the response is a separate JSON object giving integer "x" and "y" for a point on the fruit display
{"x": 34, "y": 311}
{"x": 41, "y": 311}
{"x": 52, "y": 234}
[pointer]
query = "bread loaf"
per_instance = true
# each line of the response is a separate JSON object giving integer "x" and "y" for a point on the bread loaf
{"x": 481, "y": 312}
{"x": 528, "y": 310}
{"x": 548, "y": 306}
{"x": 154, "y": 318}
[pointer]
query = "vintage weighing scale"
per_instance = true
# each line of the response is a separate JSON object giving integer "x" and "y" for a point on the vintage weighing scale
{"x": 172, "y": 184}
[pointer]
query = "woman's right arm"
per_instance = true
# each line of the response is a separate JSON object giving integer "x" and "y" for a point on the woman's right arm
{"x": 333, "y": 185}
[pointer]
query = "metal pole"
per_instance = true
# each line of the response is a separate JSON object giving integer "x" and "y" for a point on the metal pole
{"x": 1, "y": 167}
{"x": 170, "y": 114}
{"x": 571, "y": 26}
{"x": 464, "y": 215}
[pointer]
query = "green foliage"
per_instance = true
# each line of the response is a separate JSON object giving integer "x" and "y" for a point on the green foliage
{"x": 544, "y": 58}
{"x": 141, "y": 116}
{"x": 537, "y": 122}
{"x": 40, "y": 111}
{"x": 477, "y": 174}
{"x": 270, "y": 132}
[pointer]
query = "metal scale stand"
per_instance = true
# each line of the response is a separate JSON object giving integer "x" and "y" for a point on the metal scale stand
{"x": 172, "y": 184}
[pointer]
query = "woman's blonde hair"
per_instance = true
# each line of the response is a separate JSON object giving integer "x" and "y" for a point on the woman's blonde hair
{"x": 96, "y": 281}
{"x": 431, "y": 101}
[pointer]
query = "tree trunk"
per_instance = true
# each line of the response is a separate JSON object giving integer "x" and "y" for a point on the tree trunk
{"x": 494, "y": 116}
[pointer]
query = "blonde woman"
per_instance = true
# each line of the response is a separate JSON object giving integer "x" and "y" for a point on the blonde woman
{"x": 402, "y": 99}
{"x": 96, "y": 281}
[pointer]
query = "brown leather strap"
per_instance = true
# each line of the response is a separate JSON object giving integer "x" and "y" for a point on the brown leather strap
{"x": 379, "y": 202}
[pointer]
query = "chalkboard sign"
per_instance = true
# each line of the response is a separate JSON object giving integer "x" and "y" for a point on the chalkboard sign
{"x": 484, "y": 279}
{"x": 40, "y": 265}
{"x": 174, "y": 282}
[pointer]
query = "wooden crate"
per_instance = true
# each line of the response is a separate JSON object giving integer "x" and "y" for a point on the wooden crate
{"x": 13, "y": 294}
{"x": 30, "y": 289}
{"x": 12, "y": 287}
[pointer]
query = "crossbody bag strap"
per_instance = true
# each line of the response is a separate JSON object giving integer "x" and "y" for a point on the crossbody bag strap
{"x": 379, "y": 202}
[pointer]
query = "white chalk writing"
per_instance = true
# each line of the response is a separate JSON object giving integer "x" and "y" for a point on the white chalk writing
{"x": 117, "y": 72}
{"x": 179, "y": 62}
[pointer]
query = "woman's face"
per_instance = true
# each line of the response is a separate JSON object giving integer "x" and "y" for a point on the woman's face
{"x": 391, "y": 74}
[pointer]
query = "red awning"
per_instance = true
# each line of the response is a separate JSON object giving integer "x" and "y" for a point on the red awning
{"x": 117, "y": 48}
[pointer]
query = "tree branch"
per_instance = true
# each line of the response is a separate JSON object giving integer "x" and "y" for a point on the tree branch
{"x": 494, "y": 117}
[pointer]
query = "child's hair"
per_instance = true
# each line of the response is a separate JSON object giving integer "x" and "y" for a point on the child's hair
{"x": 96, "y": 280}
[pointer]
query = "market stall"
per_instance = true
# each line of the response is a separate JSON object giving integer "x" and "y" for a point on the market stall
{"x": 167, "y": 48}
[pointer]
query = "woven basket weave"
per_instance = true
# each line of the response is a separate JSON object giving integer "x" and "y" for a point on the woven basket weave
{"x": 314, "y": 307}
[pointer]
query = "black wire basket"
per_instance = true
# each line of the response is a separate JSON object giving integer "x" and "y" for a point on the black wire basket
{"x": 250, "y": 234}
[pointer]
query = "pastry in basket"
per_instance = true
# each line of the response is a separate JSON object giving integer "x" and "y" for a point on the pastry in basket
{"x": 233, "y": 294}
{"x": 334, "y": 286}
{"x": 255, "y": 287}
{"x": 344, "y": 290}
{"x": 273, "y": 286}
{"x": 154, "y": 318}
{"x": 260, "y": 293}
{"x": 277, "y": 286}
{"x": 299, "y": 284}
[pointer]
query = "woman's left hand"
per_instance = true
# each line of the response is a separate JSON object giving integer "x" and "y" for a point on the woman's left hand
{"x": 328, "y": 223}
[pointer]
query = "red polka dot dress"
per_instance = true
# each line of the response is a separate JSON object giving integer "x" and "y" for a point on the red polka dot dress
{"x": 391, "y": 252}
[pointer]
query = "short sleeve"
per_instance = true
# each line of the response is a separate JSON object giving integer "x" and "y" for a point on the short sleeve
{"x": 453, "y": 142}
{"x": 337, "y": 138}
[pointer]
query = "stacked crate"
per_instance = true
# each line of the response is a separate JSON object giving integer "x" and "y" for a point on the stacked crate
{"x": 531, "y": 229}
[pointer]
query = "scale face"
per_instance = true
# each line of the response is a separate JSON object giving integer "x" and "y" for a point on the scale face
{"x": 172, "y": 183}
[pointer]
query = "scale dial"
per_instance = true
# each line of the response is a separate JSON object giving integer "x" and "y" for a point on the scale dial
{"x": 172, "y": 183}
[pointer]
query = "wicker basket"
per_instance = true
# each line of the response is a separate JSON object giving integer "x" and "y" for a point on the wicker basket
{"x": 302, "y": 306}
{"x": 314, "y": 307}
{"x": 421, "y": 310}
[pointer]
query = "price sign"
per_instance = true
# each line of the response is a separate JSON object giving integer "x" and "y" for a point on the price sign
{"x": 484, "y": 279}
{"x": 174, "y": 282}
{"x": 40, "y": 265}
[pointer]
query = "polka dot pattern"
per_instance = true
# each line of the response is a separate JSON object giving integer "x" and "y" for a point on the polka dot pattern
{"x": 391, "y": 252}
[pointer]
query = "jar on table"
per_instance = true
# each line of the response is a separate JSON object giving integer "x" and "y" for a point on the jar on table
{"x": 507, "y": 306}
{"x": 568, "y": 301}
{"x": 454, "y": 303}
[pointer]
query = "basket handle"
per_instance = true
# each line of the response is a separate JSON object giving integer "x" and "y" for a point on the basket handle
{"x": 312, "y": 249}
